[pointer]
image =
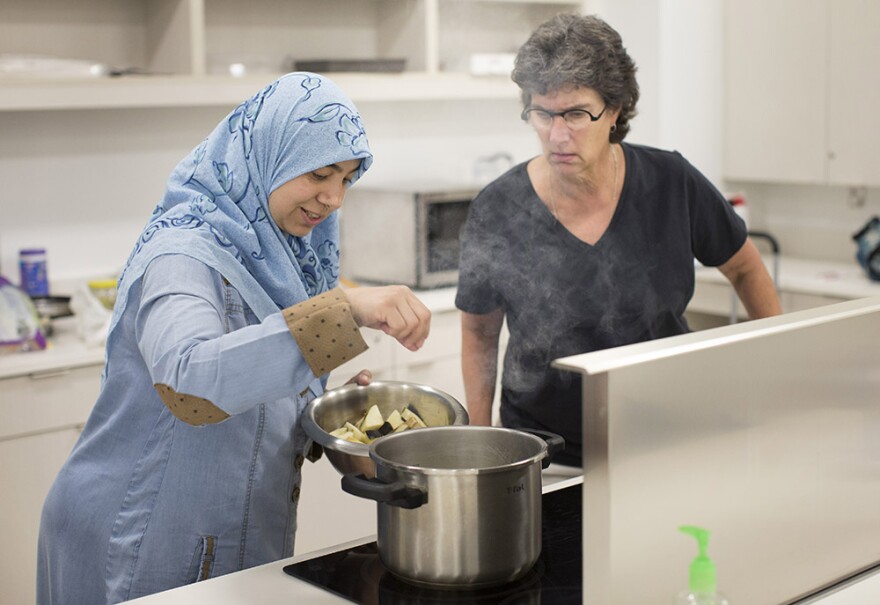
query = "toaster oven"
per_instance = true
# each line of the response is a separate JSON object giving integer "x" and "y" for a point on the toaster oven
{"x": 403, "y": 236}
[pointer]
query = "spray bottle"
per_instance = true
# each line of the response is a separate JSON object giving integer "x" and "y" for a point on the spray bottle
{"x": 702, "y": 589}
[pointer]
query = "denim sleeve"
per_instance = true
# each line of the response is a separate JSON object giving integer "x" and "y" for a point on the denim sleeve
{"x": 191, "y": 343}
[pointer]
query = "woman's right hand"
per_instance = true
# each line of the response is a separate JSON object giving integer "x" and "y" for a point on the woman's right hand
{"x": 362, "y": 378}
{"x": 393, "y": 309}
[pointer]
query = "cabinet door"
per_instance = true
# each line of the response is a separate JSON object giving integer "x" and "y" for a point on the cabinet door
{"x": 28, "y": 466}
{"x": 798, "y": 301}
{"x": 47, "y": 401}
{"x": 775, "y": 54}
{"x": 438, "y": 363}
{"x": 326, "y": 515}
{"x": 854, "y": 92}
{"x": 442, "y": 374}
{"x": 379, "y": 359}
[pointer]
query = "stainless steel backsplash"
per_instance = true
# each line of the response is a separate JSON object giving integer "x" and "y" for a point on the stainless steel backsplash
{"x": 766, "y": 433}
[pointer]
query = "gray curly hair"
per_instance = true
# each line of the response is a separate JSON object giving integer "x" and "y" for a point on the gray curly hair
{"x": 579, "y": 51}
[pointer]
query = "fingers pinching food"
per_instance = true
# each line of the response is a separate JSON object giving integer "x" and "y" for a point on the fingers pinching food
{"x": 393, "y": 309}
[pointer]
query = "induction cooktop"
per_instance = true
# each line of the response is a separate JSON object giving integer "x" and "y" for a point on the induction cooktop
{"x": 357, "y": 573}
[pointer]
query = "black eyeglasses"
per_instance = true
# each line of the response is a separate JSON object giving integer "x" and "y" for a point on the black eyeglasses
{"x": 575, "y": 119}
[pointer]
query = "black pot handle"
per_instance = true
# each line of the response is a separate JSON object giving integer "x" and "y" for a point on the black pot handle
{"x": 555, "y": 444}
{"x": 395, "y": 494}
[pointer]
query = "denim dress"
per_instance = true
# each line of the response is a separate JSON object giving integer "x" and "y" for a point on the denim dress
{"x": 147, "y": 502}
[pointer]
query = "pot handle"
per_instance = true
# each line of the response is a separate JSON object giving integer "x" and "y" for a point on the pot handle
{"x": 394, "y": 494}
{"x": 555, "y": 444}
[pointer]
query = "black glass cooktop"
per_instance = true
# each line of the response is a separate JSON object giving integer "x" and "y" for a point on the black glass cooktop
{"x": 358, "y": 575}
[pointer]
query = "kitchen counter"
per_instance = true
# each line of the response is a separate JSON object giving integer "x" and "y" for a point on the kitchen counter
{"x": 802, "y": 284}
{"x": 269, "y": 583}
{"x": 845, "y": 281}
{"x": 833, "y": 281}
{"x": 66, "y": 350}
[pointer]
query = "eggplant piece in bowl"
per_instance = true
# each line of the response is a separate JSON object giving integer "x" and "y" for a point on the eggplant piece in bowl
{"x": 350, "y": 404}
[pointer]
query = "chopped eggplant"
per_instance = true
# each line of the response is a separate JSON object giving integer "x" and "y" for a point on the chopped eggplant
{"x": 373, "y": 419}
{"x": 379, "y": 432}
{"x": 341, "y": 433}
{"x": 356, "y": 433}
{"x": 370, "y": 425}
{"x": 412, "y": 419}
{"x": 394, "y": 419}
{"x": 360, "y": 421}
{"x": 413, "y": 409}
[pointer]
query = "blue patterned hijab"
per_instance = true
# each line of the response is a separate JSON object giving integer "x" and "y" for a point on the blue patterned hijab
{"x": 216, "y": 205}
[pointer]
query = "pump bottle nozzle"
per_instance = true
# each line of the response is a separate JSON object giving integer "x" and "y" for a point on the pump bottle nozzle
{"x": 702, "y": 570}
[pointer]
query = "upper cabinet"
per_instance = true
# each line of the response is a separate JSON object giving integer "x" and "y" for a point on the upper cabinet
{"x": 177, "y": 53}
{"x": 802, "y": 91}
{"x": 854, "y": 92}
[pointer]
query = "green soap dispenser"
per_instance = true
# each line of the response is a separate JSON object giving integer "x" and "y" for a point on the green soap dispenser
{"x": 702, "y": 589}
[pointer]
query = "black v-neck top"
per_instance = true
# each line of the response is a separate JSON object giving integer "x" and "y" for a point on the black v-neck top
{"x": 562, "y": 296}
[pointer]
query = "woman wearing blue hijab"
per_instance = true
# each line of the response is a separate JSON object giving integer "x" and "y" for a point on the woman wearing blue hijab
{"x": 227, "y": 322}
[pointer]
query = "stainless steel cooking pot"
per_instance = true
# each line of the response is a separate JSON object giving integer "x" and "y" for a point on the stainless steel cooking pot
{"x": 458, "y": 505}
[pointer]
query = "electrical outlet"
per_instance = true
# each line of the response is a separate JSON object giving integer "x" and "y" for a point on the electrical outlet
{"x": 857, "y": 197}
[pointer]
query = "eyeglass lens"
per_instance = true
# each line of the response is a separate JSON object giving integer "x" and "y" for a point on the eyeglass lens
{"x": 575, "y": 119}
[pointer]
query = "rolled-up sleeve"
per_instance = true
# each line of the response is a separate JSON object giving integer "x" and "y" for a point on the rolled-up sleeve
{"x": 203, "y": 369}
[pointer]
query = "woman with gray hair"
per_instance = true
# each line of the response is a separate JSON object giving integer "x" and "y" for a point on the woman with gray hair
{"x": 589, "y": 245}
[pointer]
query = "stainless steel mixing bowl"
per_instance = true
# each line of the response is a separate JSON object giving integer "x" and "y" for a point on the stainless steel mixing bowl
{"x": 347, "y": 403}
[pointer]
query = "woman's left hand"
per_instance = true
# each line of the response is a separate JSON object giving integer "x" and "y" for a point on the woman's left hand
{"x": 363, "y": 378}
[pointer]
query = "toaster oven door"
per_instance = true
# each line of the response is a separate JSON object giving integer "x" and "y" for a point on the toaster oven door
{"x": 440, "y": 219}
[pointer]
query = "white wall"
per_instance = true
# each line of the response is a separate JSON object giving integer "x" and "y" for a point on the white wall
{"x": 677, "y": 47}
{"x": 810, "y": 221}
{"x": 83, "y": 182}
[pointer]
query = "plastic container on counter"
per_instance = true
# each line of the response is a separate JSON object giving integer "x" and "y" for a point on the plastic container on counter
{"x": 105, "y": 291}
{"x": 34, "y": 275}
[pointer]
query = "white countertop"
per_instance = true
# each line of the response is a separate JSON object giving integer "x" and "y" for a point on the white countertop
{"x": 823, "y": 278}
{"x": 266, "y": 584}
{"x": 832, "y": 279}
{"x": 66, "y": 350}
{"x": 804, "y": 276}
{"x": 269, "y": 585}
{"x": 862, "y": 591}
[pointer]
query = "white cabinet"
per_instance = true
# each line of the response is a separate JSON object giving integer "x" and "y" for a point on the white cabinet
{"x": 29, "y": 467}
{"x": 802, "y": 91}
{"x": 379, "y": 359}
{"x": 188, "y": 46}
{"x": 854, "y": 92}
{"x": 41, "y": 416}
{"x": 436, "y": 364}
{"x": 327, "y": 515}
{"x": 803, "y": 284}
{"x": 712, "y": 303}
